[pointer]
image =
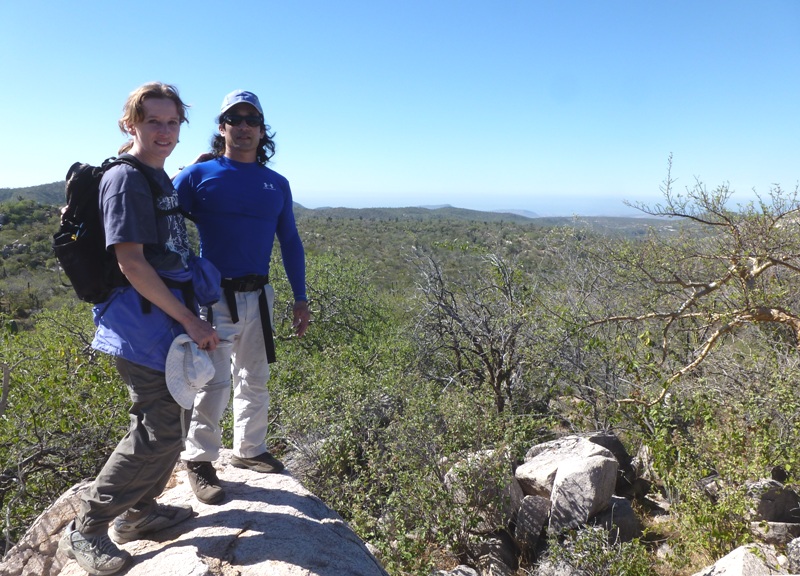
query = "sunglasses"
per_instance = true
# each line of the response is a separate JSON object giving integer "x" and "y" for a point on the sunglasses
{"x": 236, "y": 119}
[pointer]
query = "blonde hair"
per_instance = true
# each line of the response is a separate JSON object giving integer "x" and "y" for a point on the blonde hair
{"x": 133, "y": 110}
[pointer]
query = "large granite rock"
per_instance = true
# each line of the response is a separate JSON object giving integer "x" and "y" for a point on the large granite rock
{"x": 267, "y": 524}
{"x": 750, "y": 560}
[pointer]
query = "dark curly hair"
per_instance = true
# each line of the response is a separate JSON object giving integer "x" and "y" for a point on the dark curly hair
{"x": 266, "y": 146}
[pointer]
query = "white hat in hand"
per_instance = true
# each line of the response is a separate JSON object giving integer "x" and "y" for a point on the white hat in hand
{"x": 188, "y": 370}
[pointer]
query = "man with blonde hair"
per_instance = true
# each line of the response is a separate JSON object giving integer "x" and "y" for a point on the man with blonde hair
{"x": 137, "y": 324}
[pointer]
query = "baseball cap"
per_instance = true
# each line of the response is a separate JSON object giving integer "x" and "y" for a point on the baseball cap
{"x": 237, "y": 97}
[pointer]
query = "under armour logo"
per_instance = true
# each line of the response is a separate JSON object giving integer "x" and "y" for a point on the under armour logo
{"x": 268, "y": 186}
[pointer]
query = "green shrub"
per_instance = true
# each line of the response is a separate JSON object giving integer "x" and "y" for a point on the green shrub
{"x": 589, "y": 552}
{"x": 66, "y": 410}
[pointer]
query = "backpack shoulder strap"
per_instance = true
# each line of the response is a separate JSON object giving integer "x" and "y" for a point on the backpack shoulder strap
{"x": 130, "y": 160}
{"x": 155, "y": 187}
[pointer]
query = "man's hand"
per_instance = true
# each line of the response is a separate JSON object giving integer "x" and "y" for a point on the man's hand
{"x": 204, "y": 157}
{"x": 301, "y": 317}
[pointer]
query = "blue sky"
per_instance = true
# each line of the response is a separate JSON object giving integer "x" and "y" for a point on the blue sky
{"x": 556, "y": 107}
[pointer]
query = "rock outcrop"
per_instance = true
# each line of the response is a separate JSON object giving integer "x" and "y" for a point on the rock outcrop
{"x": 270, "y": 524}
{"x": 563, "y": 484}
{"x": 753, "y": 560}
{"x": 267, "y": 524}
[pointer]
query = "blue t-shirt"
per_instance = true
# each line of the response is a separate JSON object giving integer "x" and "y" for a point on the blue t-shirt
{"x": 239, "y": 208}
{"x": 124, "y": 328}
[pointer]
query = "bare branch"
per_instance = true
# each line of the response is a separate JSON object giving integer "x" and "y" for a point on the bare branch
{"x": 4, "y": 396}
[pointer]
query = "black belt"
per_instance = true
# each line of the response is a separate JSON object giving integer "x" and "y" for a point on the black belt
{"x": 186, "y": 288}
{"x": 245, "y": 283}
{"x": 249, "y": 284}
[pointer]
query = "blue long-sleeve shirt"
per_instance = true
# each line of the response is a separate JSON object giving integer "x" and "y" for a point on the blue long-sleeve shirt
{"x": 239, "y": 209}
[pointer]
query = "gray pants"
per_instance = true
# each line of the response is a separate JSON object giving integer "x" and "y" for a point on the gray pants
{"x": 142, "y": 463}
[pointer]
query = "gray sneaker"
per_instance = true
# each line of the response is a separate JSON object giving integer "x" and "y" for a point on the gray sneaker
{"x": 137, "y": 524}
{"x": 266, "y": 463}
{"x": 96, "y": 554}
{"x": 204, "y": 482}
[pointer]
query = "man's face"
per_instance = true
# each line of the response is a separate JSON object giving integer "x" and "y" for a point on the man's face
{"x": 156, "y": 135}
{"x": 242, "y": 139}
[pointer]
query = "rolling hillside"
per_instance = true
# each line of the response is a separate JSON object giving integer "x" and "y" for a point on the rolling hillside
{"x": 53, "y": 194}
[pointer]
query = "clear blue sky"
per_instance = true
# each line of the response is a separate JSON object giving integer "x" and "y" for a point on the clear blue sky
{"x": 557, "y": 106}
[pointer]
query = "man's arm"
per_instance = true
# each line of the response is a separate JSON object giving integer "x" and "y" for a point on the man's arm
{"x": 148, "y": 283}
{"x": 204, "y": 157}
{"x": 294, "y": 264}
{"x": 294, "y": 261}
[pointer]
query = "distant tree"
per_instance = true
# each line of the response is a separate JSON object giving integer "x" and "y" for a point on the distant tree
{"x": 473, "y": 326}
{"x": 673, "y": 299}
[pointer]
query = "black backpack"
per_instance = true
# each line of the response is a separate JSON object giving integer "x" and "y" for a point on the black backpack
{"x": 80, "y": 242}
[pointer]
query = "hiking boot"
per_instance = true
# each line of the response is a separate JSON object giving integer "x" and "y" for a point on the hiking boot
{"x": 266, "y": 463}
{"x": 96, "y": 554}
{"x": 204, "y": 482}
{"x": 137, "y": 524}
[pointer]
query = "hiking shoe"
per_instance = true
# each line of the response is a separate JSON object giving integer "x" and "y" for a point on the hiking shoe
{"x": 136, "y": 524}
{"x": 96, "y": 554}
{"x": 204, "y": 482}
{"x": 266, "y": 463}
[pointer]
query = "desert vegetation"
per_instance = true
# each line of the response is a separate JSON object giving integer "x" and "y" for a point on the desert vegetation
{"x": 437, "y": 336}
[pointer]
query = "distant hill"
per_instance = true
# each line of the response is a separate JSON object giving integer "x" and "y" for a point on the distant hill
{"x": 623, "y": 225}
{"x": 52, "y": 193}
{"x": 415, "y": 213}
{"x": 525, "y": 213}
